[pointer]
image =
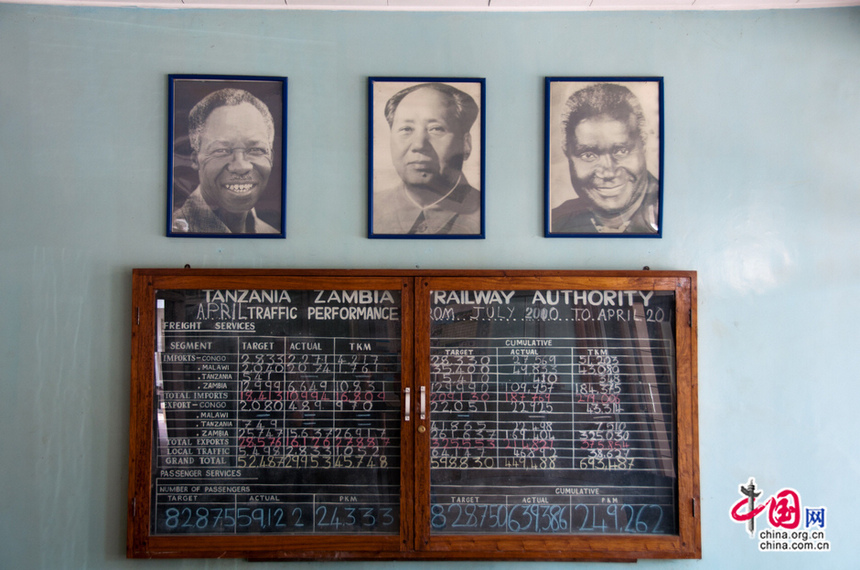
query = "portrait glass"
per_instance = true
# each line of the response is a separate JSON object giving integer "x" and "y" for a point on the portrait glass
{"x": 426, "y": 171}
{"x": 227, "y": 159}
{"x": 604, "y": 157}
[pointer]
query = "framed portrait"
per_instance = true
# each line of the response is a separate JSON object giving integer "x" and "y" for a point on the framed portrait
{"x": 604, "y": 157}
{"x": 426, "y": 158}
{"x": 227, "y": 159}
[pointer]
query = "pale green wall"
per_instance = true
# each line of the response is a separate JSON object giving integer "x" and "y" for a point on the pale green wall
{"x": 762, "y": 197}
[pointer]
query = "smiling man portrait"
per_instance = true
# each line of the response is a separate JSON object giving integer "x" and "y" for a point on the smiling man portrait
{"x": 429, "y": 141}
{"x": 603, "y": 140}
{"x": 231, "y": 133}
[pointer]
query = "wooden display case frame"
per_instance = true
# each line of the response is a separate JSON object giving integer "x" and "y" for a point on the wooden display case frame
{"x": 415, "y": 540}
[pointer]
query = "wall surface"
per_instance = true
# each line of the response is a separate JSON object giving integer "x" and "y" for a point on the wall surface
{"x": 762, "y": 196}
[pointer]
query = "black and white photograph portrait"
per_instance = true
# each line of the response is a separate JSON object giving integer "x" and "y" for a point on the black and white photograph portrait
{"x": 227, "y": 158}
{"x": 426, "y": 164}
{"x": 604, "y": 157}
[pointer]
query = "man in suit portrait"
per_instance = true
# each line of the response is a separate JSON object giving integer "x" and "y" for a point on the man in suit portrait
{"x": 231, "y": 134}
{"x": 429, "y": 142}
{"x": 603, "y": 141}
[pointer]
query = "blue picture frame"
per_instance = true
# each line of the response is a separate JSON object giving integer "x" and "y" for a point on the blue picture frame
{"x": 604, "y": 157}
{"x": 432, "y": 188}
{"x": 252, "y": 203}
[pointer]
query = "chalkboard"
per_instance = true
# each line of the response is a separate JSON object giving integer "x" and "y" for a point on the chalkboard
{"x": 561, "y": 415}
{"x": 413, "y": 415}
{"x": 552, "y": 412}
{"x": 276, "y": 411}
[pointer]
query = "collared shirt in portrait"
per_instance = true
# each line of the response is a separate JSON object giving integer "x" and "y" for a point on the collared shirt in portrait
{"x": 575, "y": 216}
{"x": 196, "y": 217}
{"x": 457, "y": 213}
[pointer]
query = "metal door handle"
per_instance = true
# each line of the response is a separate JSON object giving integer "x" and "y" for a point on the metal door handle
{"x": 407, "y": 403}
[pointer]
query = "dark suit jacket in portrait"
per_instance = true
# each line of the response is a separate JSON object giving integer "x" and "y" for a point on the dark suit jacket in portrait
{"x": 576, "y": 217}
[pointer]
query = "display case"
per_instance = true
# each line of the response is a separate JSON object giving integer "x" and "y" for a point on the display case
{"x": 307, "y": 414}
